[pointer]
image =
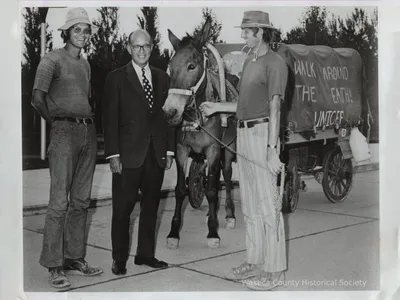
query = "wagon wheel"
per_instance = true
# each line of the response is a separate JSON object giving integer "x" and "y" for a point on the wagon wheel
{"x": 338, "y": 176}
{"x": 291, "y": 192}
{"x": 196, "y": 182}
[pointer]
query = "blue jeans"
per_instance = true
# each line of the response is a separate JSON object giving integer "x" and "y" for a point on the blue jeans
{"x": 72, "y": 160}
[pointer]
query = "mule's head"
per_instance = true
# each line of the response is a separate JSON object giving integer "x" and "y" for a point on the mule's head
{"x": 186, "y": 69}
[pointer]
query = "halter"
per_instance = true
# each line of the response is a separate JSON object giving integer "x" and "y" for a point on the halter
{"x": 193, "y": 90}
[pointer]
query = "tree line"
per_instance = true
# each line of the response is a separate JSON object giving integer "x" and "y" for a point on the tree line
{"x": 106, "y": 52}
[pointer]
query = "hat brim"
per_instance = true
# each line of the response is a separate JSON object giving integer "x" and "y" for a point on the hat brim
{"x": 255, "y": 25}
{"x": 69, "y": 24}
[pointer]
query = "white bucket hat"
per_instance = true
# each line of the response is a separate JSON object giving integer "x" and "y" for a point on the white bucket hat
{"x": 76, "y": 16}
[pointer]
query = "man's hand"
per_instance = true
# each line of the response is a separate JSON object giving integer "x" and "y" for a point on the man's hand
{"x": 208, "y": 108}
{"x": 168, "y": 165}
{"x": 273, "y": 161}
{"x": 115, "y": 165}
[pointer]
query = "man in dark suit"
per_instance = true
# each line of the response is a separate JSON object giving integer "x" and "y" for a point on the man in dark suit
{"x": 137, "y": 141}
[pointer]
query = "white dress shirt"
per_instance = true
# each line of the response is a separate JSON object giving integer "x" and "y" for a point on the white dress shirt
{"x": 139, "y": 73}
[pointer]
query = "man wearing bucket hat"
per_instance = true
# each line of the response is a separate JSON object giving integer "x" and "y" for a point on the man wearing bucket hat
{"x": 61, "y": 94}
{"x": 261, "y": 90}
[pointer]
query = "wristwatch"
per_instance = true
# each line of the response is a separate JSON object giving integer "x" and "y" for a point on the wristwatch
{"x": 273, "y": 147}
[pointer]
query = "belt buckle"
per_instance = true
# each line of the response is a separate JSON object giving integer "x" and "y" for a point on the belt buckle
{"x": 241, "y": 124}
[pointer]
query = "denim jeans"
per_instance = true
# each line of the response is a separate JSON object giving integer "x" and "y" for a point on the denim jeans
{"x": 72, "y": 159}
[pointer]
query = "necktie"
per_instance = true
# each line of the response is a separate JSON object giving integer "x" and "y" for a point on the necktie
{"x": 147, "y": 89}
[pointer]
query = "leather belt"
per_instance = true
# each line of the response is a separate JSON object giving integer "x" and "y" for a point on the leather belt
{"x": 75, "y": 120}
{"x": 250, "y": 124}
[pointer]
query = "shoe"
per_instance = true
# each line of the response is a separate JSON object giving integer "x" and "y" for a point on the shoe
{"x": 58, "y": 279}
{"x": 245, "y": 270}
{"x": 264, "y": 282}
{"x": 119, "y": 267}
{"x": 80, "y": 267}
{"x": 150, "y": 261}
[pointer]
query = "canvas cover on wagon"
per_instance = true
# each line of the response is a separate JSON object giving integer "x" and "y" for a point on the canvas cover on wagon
{"x": 324, "y": 87}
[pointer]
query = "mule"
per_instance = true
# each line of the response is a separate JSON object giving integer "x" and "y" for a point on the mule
{"x": 188, "y": 75}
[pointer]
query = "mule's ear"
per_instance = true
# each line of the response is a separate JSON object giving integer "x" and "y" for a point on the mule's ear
{"x": 174, "y": 40}
{"x": 203, "y": 36}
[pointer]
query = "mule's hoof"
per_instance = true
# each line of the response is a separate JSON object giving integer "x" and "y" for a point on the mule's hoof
{"x": 172, "y": 243}
{"x": 230, "y": 223}
{"x": 213, "y": 243}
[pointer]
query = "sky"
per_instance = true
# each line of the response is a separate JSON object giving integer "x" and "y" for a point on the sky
{"x": 182, "y": 18}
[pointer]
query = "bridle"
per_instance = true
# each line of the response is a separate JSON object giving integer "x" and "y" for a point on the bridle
{"x": 191, "y": 92}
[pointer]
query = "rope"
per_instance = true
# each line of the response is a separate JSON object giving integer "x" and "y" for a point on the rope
{"x": 278, "y": 194}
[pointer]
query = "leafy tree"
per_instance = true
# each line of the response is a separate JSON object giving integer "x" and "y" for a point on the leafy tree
{"x": 106, "y": 52}
{"x": 277, "y": 35}
{"x": 215, "y": 26}
{"x": 360, "y": 32}
{"x": 31, "y": 59}
{"x": 149, "y": 22}
{"x": 32, "y": 46}
{"x": 167, "y": 55}
{"x": 312, "y": 30}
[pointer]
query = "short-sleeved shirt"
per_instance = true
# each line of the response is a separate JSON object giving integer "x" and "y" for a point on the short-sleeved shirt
{"x": 66, "y": 80}
{"x": 260, "y": 81}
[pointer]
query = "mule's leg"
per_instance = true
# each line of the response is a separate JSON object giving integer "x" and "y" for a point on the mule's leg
{"x": 180, "y": 194}
{"x": 213, "y": 154}
{"x": 227, "y": 172}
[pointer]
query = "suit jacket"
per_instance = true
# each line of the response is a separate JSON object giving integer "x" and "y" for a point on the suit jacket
{"x": 128, "y": 124}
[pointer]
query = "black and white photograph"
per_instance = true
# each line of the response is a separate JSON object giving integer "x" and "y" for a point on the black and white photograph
{"x": 200, "y": 148}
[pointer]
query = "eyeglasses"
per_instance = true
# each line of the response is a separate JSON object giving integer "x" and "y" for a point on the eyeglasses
{"x": 78, "y": 30}
{"x": 137, "y": 48}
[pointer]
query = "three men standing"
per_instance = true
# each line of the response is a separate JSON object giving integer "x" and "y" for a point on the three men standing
{"x": 140, "y": 144}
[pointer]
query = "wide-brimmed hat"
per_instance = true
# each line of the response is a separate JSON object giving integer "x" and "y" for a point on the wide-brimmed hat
{"x": 76, "y": 16}
{"x": 255, "y": 18}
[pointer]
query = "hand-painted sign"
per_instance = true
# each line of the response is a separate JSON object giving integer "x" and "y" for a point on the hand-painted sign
{"x": 324, "y": 86}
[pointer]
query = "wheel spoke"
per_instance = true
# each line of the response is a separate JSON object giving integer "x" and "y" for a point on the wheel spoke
{"x": 339, "y": 186}
{"x": 338, "y": 160}
{"x": 331, "y": 182}
{"x": 335, "y": 189}
{"x": 334, "y": 159}
{"x": 332, "y": 185}
{"x": 342, "y": 165}
{"x": 342, "y": 183}
{"x": 333, "y": 164}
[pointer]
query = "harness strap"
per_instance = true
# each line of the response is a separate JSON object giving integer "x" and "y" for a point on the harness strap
{"x": 196, "y": 87}
{"x": 181, "y": 92}
{"x": 191, "y": 91}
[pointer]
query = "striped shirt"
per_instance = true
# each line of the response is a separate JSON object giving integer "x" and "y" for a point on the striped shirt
{"x": 66, "y": 80}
